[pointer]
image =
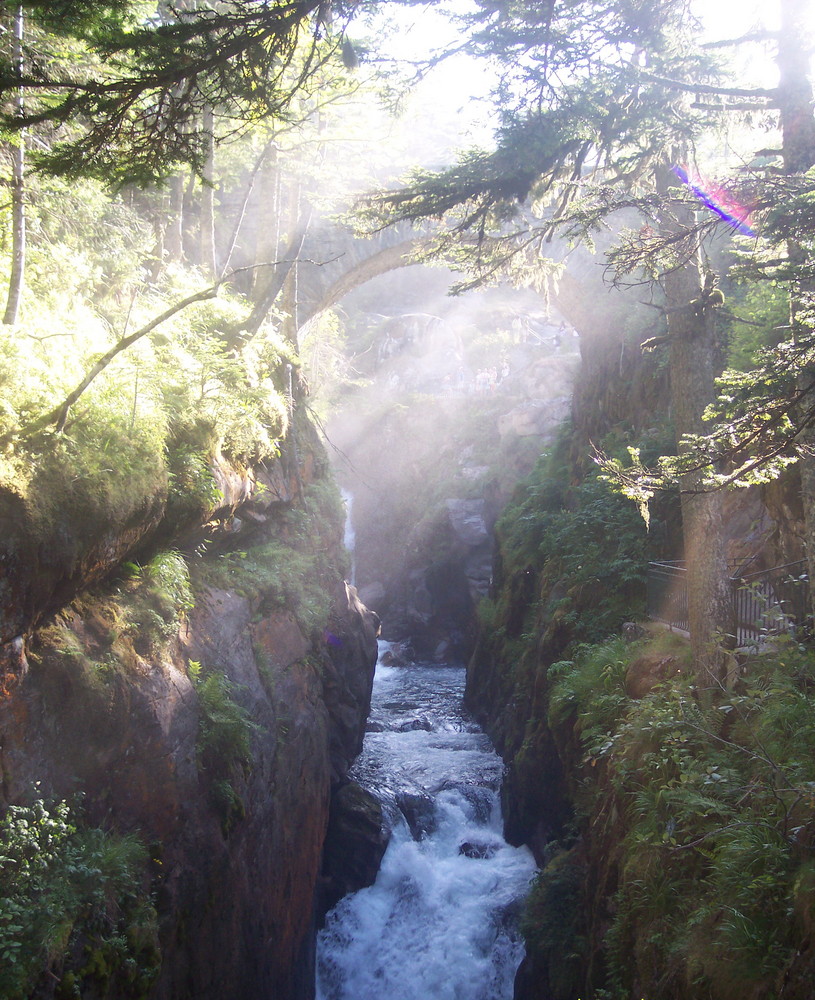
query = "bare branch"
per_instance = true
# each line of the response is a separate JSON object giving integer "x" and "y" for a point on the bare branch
{"x": 760, "y": 35}
{"x": 708, "y": 88}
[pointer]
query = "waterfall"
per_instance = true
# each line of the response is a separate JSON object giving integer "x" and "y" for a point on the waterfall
{"x": 349, "y": 536}
{"x": 440, "y": 922}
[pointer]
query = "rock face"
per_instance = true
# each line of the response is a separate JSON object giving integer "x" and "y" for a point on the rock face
{"x": 237, "y": 840}
{"x": 235, "y": 894}
{"x": 355, "y": 844}
{"x": 438, "y": 469}
{"x": 435, "y": 601}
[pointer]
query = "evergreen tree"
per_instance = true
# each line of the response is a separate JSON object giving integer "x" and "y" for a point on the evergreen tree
{"x": 586, "y": 121}
{"x": 596, "y": 99}
{"x": 126, "y": 101}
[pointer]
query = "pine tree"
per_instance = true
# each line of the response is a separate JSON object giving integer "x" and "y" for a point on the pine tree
{"x": 588, "y": 125}
{"x": 127, "y": 99}
{"x": 596, "y": 98}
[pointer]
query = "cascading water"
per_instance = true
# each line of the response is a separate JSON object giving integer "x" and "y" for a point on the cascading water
{"x": 349, "y": 536}
{"x": 440, "y": 923}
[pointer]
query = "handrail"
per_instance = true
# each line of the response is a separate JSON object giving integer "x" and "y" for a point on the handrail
{"x": 766, "y": 602}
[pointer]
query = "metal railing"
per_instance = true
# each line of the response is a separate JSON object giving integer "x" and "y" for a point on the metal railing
{"x": 768, "y": 602}
{"x": 667, "y": 593}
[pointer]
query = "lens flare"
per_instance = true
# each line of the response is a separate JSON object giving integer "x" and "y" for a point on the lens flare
{"x": 719, "y": 200}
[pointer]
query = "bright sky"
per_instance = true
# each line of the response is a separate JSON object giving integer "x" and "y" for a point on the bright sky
{"x": 458, "y": 89}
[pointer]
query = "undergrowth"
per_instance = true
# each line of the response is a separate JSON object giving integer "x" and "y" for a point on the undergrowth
{"x": 224, "y": 744}
{"x": 583, "y": 548}
{"x": 155, "y": 417}
{"x": 76, "y": 914}
{"x": 709, "y": 814}
{"x": 295, "y": 568}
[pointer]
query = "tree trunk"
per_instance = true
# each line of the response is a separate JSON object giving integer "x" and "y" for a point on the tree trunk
{"x": 208, "y": 261}
{"x": 266, "y": 292}
{"x": 17, "y": 277}
{"x": 694, "y": 365}
{"x": 267, "y": 234}
{"x": 276, "y": 281}
{"x": 234, "y": 240}
{"x": 174, "y": 234}
{"x": 798, "y": 149}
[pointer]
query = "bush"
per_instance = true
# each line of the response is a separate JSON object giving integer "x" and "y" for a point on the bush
{"x": 224, "y": 743}
{"x": 225, "y": 729}
{"x": 591, "y": 690}
{"x": 588, "y": 547}
{"x": 717, "y": 818}
{"x": 155, "y": 600}
{"x": 74, "y": 907}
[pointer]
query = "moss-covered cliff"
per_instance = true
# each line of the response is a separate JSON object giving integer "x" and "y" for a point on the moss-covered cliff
{"x": 196, "y": 704}
{"x": 674, "y": 827}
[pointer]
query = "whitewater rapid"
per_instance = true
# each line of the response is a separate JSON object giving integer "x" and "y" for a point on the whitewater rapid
{"x": 440, "y": 923}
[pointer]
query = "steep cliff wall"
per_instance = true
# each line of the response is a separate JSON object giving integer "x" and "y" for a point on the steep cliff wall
{"x": 208, "y": 712}
{"x": 673, "y": 865}
{"x": 429, "y": 470}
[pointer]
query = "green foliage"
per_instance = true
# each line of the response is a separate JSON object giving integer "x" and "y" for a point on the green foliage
{"x": 580, "y": 537}
{"x": 291, "y": 570}
{"x": 590, "y": 690}
{"x": 567, "y": 97}
{"x": 168, "y": 579}
{"x": 224, "y": 743}
{"x": 225, "y": 730}
{"x": 128, "y": 86}
{"x": 716, "y": 813}
{"x": 192, "y": 487}
{"x": 73, "y": 907}
{"x": 765, "y": 305}
{"x": 754, "y": 430}
{"x": 155, "y": 600}
{"x": 151, "y": 421}
{"x": 487, "y": 614}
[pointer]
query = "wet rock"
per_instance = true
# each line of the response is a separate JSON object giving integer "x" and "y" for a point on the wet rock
{"x": 477, "y": 851}
{"x": 442, "y": 652}
{"x": 238, "y": 879}
{"x": 399, "y": 655}
{"x": 413, "y": 725}
{"x": 481, "y": 799}
{"x": 356, "y": 841}
{"x": 419, "y": 812}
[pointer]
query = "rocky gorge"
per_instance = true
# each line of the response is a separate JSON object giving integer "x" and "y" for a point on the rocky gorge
{"x": 186, "y": 668}
{"x": 208, "y": 713}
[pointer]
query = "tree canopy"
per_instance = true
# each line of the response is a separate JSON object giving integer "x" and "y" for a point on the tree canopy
{"x": 119, "y": 87}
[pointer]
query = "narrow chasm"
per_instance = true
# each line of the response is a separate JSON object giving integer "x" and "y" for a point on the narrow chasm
{"x": 441, "y": 917}
{"x": 407, "y": 500}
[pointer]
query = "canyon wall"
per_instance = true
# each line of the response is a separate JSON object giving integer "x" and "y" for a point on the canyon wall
{"x": 669, "y": 864}
{"x": 207, "y": 704}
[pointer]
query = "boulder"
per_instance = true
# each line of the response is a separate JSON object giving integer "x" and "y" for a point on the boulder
{"x": 419, "y": 812}
{"x": 648, "y": 670}
{"x": 356, "y": 841}
{"x": 477, "y": 851}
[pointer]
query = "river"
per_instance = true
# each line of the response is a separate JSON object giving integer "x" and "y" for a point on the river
{"x": 440, "y": 922}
